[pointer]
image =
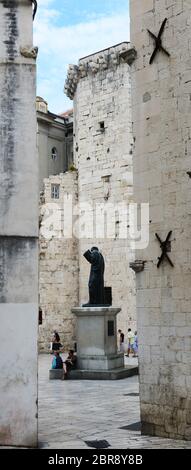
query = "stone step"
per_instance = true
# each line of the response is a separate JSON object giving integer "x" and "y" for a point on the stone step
{"x": 79, "y": 374}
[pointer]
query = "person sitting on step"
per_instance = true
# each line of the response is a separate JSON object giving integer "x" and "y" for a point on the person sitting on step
{"x": 69, "y": 363}
{"x": 57, "y": 362}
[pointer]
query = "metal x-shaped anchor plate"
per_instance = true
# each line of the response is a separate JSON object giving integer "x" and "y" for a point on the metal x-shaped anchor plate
{"x": 158, "y": 42}
{"x": 164, "y": 248}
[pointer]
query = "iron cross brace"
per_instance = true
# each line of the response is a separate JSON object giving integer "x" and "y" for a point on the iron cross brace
{"x": 158, "y": 42}
{"x": 164, "y": 248}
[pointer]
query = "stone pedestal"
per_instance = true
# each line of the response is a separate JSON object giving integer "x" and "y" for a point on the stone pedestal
{"x": 97, "y": 338}
{"x": 97, "y": 356}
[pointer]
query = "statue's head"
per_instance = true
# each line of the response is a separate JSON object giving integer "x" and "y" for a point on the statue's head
{"x": 94, "y": 248}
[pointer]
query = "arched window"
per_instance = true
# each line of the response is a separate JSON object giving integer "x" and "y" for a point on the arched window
{"x": 54, "y": 153}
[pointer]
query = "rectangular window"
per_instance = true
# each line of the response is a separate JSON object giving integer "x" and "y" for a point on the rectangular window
{"x": 55, "y": 191}
{"x": 102, "y": 126}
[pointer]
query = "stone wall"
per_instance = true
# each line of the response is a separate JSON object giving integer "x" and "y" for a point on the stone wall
{"x": 18, "y": 228}
{"x": 162, "y": 163}
{"x": 100, "y": 85}
{"x": 58, "y": 263}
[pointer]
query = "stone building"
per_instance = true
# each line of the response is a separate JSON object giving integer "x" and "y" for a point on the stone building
{"x": 18, "y": 227}
{"x": 58, "y": 265}
{"x": 54, "y": 141}
{"x": 100, "y": 87}
{"x": 161, "y": 94}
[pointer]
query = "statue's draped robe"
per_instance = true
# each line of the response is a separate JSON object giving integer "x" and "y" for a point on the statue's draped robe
{"x": 96, "y": 279}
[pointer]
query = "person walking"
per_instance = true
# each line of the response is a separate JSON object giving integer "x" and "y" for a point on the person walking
{"x": 121, "y": 341}
{"x": 135, "y": 345}
{"x": 130, "y": 336}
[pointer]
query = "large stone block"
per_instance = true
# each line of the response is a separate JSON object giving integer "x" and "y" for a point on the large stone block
{"x": 97, "y": 338}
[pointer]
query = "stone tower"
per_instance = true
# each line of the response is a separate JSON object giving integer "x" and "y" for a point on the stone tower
{"x": 161, "y": 95}
{"x": 18, "y": 227}
{"x": 100, "y": 87}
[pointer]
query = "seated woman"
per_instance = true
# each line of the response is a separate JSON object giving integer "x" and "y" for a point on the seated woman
{"x": 57, "y": 362}
{"x": 70, "y": 363}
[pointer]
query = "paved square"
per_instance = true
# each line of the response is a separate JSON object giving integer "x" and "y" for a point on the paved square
{"x": 74, "y": 411}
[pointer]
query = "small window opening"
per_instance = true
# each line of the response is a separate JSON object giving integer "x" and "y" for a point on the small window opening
{"x": 106, "y": 178}
{"x": 55, "y": 191}
{"x": 102, "y": 125}
{"x": 54, "y": 153}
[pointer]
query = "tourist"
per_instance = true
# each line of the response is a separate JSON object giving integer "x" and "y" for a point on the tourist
{"x": 135, "y": 345}
{"x": 121, "y": 341}
{"x": 57, "y": 362}
{"x": 130, "y": 336}
{"x": 70, "y": 363}
{"x": 55, "y": 344}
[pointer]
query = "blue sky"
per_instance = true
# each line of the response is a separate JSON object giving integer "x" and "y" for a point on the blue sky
{"x": 64, "y": 31}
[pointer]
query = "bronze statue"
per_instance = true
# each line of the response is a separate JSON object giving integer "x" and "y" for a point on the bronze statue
{"x": 96, "y": 279}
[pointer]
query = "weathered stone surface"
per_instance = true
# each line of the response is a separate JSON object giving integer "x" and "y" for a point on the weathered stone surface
{"x": 161, "y": 116}
{"x": 95, "y": 63}
{"x": 18, "y": 229}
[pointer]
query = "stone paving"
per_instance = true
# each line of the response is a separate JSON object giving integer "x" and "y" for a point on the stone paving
{"x": 72, "y": 412}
